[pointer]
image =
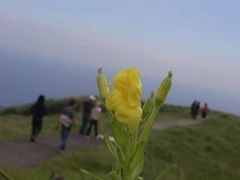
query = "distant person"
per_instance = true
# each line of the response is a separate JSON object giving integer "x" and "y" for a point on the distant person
{"x": 38, "y": 111}
{"x": 205, "y": 111}
{"x": 197, "y": 109}
{"x": 94, "y": 118}
{"x": 193, "y": 107}
{"x": 86, "y": 109}
{"x": 67, "y": 121}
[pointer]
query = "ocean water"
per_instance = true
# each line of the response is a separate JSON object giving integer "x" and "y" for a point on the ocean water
{"x": 23, "y": 77}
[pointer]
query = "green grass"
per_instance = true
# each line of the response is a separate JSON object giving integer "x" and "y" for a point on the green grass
{"x": 15, "y": 127}
{"x": 173, "y": 112}
{"x": 210, "y": 150}
{"x": 205, "y": 151}
{"x": 95, "y": 160}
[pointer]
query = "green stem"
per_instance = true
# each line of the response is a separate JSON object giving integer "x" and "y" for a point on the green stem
{"x": 134, "y": 138}
{"x": 146, "y": 132}
{"x": 4, "y": 175}
{"x": 127, "y": 160}
{"x": 131, "y": 150}
{"x": 153, "y": 116}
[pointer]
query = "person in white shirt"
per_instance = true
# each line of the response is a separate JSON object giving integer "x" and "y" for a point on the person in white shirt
{"x": 94, "y": 118}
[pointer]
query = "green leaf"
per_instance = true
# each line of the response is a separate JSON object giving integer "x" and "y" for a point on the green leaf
{"x": 137, "y": 161}
{"x": 148, "y": 105}
{"x": 116, "y": 172}
{"x": 147, "y": 110}
{"x": 118, "y": 132}
{"x": 90, "y": 174}
{"x": 148, "y": 127}
{"x": 4, "y": 175}
{"x": 164, "y": 172}
{"x": 121, "y": 155}
{"x": 109, "y": 144}
{"x": 114, "y": 175}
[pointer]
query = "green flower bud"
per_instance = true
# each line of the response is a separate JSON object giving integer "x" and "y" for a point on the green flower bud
{"x": 163, "y": 90}
{"x": 147, "y": 107}
{"x": 103, "y": 84}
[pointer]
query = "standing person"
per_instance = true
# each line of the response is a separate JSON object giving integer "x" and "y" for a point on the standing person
{"x": 86, "y": 109}
{"x": 67, "y": 121}
{"x": 94, "y": 118}
{"x": 197, "y": 109}
{"x": 193, "y": 107}
{"x": 38, "y": 111}
{"x": 205, "y": 111}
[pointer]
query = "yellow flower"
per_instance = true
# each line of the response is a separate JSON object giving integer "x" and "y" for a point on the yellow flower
{"x": 128, "y": 115}
{"x": 125, "y": 98}
{"x": 103, "y": 84}
{"x": 113, "y": 99}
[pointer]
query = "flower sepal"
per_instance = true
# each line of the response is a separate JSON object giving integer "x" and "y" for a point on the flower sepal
{"x": 163, "y": 90}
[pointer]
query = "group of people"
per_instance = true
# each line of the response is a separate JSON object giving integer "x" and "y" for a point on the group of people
{"x": 91, "y": 113}
{"x": 195, "y": 109}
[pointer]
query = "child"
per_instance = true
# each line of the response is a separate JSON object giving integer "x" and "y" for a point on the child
{"x": 94, "y": 118}
{"x": 67, "y": 121}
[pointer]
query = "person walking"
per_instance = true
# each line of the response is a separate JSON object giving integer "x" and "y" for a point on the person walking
{"x": 67, "y": 121}
{"x": 94, "y": 118}
{"x": 38, "y": 111}
{"x": 193, "y": 107}
{"x": 197, "y": 109}
{"x": 205, "y": 111}
{"x": 86, "y": 109}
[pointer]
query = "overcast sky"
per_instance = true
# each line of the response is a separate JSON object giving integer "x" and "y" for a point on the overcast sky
{"x": 198, "y": 40}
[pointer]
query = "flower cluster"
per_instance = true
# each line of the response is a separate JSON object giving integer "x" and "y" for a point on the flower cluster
{"x": 125, "y": 98}
{"x": 131, "y": 124}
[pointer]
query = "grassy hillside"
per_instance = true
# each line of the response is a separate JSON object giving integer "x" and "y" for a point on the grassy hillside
{"x": 55, "y": 106}
{"x": 16, "y": 121}
{"x": 206, "y": 151}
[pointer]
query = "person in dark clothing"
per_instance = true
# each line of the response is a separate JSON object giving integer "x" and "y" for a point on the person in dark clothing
{"x": 197, "y": 109}
{"x": 193, "y": 107}
{"x": 38, "y": 111}
{"x": 86, "y": 109}
{"x": 67, "y": 121}
{"x": 205, "y": 111}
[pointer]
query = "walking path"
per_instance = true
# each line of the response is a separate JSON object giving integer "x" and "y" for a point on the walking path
{"x": 23, "y": 154}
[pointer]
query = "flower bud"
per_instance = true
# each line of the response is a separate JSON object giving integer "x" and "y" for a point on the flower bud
{"x": 103, "y": 85}
{"x": 147, "y": 107}
{"x": 163, "y": 90}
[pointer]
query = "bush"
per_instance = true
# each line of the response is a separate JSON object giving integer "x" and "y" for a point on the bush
{"x": 54, "y": 106}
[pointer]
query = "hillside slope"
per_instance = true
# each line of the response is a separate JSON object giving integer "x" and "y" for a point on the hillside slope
{"x": 206, "y": 151}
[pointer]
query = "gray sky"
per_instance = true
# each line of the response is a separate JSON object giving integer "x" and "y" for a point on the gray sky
{"x": 198, "y": 40}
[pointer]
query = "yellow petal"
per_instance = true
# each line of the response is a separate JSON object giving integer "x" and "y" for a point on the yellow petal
{"x": 133, "y": 74}
{"x": 135, "y": 94}
{"x": 121, "y": 82}
{"x": 125, "y": 79}
{"x": 128, "y": 115}
{"x": 113, "y": 99}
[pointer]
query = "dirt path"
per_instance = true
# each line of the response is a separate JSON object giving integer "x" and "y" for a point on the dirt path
{"x": 172, "y": 123}
{"x": 23, "y": 154}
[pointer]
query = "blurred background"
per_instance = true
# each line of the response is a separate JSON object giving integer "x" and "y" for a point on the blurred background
{"x": 55, "y": 48}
